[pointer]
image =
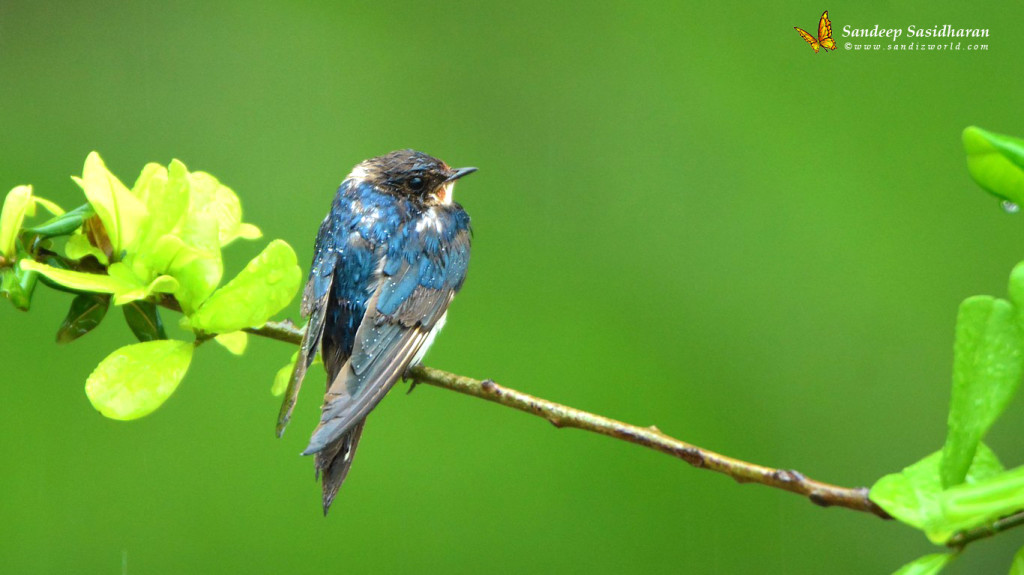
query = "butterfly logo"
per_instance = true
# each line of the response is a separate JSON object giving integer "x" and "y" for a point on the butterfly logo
{"x": 824, "y": 39}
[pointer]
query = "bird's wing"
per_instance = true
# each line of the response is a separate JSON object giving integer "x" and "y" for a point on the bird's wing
{"x": 314, "y": 306}
{"x": 419, "y": 280}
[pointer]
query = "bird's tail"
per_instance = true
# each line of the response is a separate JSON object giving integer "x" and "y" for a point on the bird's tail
{"x": 334, "y": 461}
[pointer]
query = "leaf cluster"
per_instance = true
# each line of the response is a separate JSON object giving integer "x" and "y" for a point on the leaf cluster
{"x": 158, "y": 243}
{"x": 964, "y": 486}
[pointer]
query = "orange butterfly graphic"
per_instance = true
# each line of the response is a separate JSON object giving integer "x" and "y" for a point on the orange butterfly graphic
{"x": 824, "y": 35}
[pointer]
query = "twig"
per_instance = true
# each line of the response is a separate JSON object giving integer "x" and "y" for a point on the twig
{"x": 819, "y": 493}
{"x": 280, "y": 330}
{"x": 961, "y": 539}
{"x": 560, "y": 416}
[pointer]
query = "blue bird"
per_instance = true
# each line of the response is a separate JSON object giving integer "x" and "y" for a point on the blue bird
{"x": 389, "y": 257}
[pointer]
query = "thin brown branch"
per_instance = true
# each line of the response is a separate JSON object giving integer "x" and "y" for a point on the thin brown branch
{"x": 817, "y": 492}
{"x": 280, "y": 330}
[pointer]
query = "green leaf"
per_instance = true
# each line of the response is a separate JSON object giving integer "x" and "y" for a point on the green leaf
{"x": 224, "y": 204}
{"x": 192, "y": 252}
{"x": 283, "y": 375}
{"x": 140, "y": 289}
{"x": 198, "y": 272}
{"x": 64, "y": 224}
{"x": 49, "y": 206}
{"x": 137, "y": 379}
{"x": 120, "y": 211}
{"x": 12, "y": 215}
{"x": 61, "y": 264}
{"x": 1017, "y": 567}
{"x": 927, "y": 565}
{"x": 996, "y": 162}
{"x": 1015, "y": 289}
{"x": 988, "y": 362}
{"x": 912, "y": 494}
{"x": 17, "y": 284}
{"x": 235, "y": 342}
{"x": 249, "y": 232}
{"x": 200, "y": 227}
{"x": 78, "y": 247}
{"x": 971, "y": 505}
{"x": 143, "y": 318}
{"x": 77, "y": 280}
{"x": 120, "y": 282}
{"x": 165, "y": 192}
{"x": 266, "y": 285}
{"x": 87, "y": 311}
{"x": 144, "y": 185}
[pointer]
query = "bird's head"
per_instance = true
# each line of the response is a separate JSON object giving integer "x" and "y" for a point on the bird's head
{"x": 413, "y": 174}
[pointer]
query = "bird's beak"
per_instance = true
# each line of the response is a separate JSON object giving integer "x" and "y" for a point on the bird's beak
{"x": 459, "y": 172}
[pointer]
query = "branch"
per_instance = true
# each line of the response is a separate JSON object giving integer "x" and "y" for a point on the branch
{"x": 285, "y": 331}
{"x": 819, "y": 493}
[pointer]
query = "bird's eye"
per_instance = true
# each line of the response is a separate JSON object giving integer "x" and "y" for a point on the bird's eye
{"x": 416, "y": 183}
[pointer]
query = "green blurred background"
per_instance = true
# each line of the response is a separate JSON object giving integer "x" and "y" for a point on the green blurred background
{"x": 683, "y": 217}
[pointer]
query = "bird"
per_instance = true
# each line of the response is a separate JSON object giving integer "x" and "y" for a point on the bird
{"x": 389, "y": 257}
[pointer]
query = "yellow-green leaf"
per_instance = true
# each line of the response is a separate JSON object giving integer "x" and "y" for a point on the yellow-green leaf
{"x": 266, "y": 285}
{"x": 971, "y": 505}
{"x": 200, "y": 228}
{"x": 121, "y": 212}
{"x": 912, "y": 495}
{"x": 12, "y": 216}
{"x": 988, "y": 362}
{"x": 17, "y": 284}
{"x": 120, "y": 282}
{"x": 150, "y": 181}
{"x": 224, "y": 204}
{"x": 1017, "y": 567}
{"x": 49, "y": 206}
{"x": 162, "y": 284}
{"x": 1015, "y": 289}
{"x": 80, "y": 281}
{"x": 78, "y": 247}
{"x": 198, "y": 272}
{"x": 927, "y": 565}
{"x": 137, "y": 379}
{"x": 165, "y": 192}
{"x": 191, "y": 252}
{"x": 249, "y": 232}
{"x": 996, "y": 162}
{"x": 235, "y": 342}
{"x": 283, "y": 375}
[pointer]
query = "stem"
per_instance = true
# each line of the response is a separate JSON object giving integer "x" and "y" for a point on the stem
{"x": 963, "y": 538}
{"x": 819, "y": 493}
{"x": 559, "y": 415}
{"x": 280, "y": 330}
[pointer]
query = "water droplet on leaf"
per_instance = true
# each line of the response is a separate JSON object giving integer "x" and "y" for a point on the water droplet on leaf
{"x": 1010, "y": 207}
